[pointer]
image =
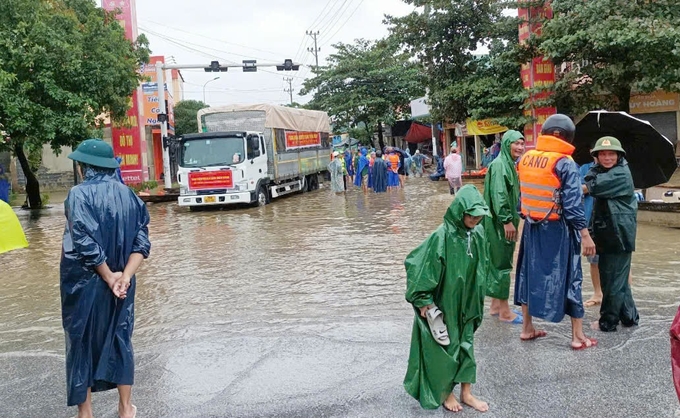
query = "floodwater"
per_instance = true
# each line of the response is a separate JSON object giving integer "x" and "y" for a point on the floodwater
{"x": 297, "y": 309}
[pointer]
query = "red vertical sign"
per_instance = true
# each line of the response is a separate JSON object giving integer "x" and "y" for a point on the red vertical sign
{"x": 127, "y": 136}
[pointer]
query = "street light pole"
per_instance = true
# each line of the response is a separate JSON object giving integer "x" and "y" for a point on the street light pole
{"x": 205, "y": 85}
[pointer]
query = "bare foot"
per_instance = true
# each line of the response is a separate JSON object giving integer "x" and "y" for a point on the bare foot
{"x": 452, "y": 404}
{"x": 470, "y": 400}
{"x": 127, "y": 412}
{"x": 532, "y": 334}
{"x": 594, "y": 301}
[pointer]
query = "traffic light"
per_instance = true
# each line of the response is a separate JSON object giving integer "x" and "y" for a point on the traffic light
{"x": 215, "y": 67}
{"x": 249, "y": 66}
{"x": 288, "y": 66}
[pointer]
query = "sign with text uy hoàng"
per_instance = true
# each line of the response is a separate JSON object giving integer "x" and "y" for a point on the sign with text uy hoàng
{"x": 296, "y": 140}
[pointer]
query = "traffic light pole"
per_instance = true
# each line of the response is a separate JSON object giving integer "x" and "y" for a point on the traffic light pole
{"x": 247, "y": 66}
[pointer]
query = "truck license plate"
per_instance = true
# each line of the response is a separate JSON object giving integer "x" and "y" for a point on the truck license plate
{"x": 210, "y": 199}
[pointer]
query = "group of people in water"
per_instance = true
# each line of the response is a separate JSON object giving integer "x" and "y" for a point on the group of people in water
{"x": 470, "y": 257}
{"x": 375, "y": 171}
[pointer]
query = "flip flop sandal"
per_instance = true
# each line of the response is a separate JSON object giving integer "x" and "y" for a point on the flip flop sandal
{"x": 519, "y": 320}
{"x": 435, "y": 319}
{"x": 584, "y": 345}
{"x": 513, "y": 310}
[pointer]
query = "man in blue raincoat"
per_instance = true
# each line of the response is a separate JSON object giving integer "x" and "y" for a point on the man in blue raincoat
{"x": 105, "y": 240}
{"x": 379, "y": 174}
{"x": 361, "y": 175}
{"x": 549, "y": 276}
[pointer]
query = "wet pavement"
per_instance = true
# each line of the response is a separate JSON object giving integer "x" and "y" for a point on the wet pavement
{"x": 297, "y": 310}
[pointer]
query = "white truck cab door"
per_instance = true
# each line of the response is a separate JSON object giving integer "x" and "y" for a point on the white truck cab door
{"x": 256, "y": 154}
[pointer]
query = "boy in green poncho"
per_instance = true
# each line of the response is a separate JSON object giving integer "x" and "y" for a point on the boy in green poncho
{"x": 501, "y": 193}
{"x": 449, "y": 270}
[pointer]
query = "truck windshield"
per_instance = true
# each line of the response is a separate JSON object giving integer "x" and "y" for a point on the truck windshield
{"x": 210, "y": 152}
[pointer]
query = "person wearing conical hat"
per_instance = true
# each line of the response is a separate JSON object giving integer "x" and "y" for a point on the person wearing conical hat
{"x": 614, "y": 224}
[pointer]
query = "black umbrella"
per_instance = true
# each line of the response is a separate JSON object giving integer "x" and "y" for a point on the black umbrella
{"x": 650, "y": 155}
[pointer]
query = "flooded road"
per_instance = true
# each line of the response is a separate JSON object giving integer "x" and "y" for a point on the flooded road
{"x": 297, "y": 309}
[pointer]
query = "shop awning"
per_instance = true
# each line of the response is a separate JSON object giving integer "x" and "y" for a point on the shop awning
{"x": 484, "y": 127}
{"x": 418, "y": 132}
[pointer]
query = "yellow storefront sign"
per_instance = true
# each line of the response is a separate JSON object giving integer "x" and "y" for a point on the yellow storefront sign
{"x": 659, "y": 101}
{"x": 484, "y": 127}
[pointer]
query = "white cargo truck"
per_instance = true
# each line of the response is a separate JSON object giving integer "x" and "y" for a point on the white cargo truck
{"x": 252, "y": 154}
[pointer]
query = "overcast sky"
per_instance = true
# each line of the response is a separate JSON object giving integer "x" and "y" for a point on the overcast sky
{"x": 199, "y": 31}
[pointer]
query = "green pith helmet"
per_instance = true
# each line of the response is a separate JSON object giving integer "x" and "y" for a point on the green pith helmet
{"x": 607, "y": 143}
{"x": 95, "y": 152}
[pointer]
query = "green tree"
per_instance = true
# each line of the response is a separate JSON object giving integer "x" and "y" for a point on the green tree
{"x": 365, "y": 84}
{"x": 610, "y": 48}
{"x": 492, "y": 88}
{"x": 185, "y": 116}
{"x": 443, "y": 36}
{"x": 64, "y": 65}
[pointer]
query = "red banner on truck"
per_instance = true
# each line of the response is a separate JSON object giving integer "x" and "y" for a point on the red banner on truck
{"x": 302, "y": 139}
{"x": 208, "y": 180}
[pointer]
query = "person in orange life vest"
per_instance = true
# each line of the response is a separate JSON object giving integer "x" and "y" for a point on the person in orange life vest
{"x": 549, "y": 277}
{"x": 393, "y": 164}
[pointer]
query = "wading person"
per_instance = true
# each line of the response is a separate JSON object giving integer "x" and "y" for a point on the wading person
{"x": 418, "y": 160}
{"x": 105, "y": 241}
{"x": 501, "y": 193}
{"x": 361, "y": 175}
{"x": 549, "y": 276}
{"x": 614, "y": 226}
{"x": 453, "y": 165}
{"x": 446, "y": 281}
{"x": 380, "y": 174}
{"x": 337, "y": 173}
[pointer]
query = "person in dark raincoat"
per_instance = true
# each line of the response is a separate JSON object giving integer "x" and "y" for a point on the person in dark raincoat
{"x": 361, "y": 176}
{"x": 501, "y": 193}
{"x": 105, "y": 240}
{"x": 379, "y": 174}
{"x": 613, "y": 226}
{"x": 349, "y": 166}
{"x": 449, "y": 270}
{"x": 549, "y": 277}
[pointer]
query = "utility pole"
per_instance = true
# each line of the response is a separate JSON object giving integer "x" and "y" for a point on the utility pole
{"x": 427, "y": 91}
{"x": 315, "y": 50}
{"x": 289, "y": 80}
{"x": 248, "y": 66}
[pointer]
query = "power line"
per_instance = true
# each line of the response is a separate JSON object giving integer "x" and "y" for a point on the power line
{"x": 344, "y": 23}
{"x": 333, "y": 21}
{"x": 212, "y": 39}
{"x": 328, "y": 13}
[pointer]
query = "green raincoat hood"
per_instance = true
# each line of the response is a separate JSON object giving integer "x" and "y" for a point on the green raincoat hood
{"x": 468, "y": 201}
{"x": 508, "y": 139}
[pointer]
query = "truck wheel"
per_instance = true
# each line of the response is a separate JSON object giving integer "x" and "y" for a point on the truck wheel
{"x": 313, "y": 182}
{"x": 261, "y": 197}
